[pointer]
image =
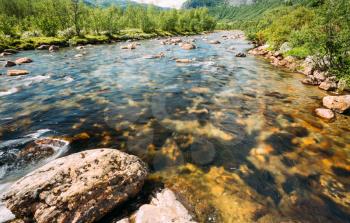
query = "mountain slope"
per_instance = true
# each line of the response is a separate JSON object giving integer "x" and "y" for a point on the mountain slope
{"x": 106, "y": 3}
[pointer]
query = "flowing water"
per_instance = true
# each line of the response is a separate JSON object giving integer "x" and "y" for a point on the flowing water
{"x": 236, "y": 138}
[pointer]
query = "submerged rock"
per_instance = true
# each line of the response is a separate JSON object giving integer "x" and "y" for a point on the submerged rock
{"x": 325, "y": 113}
{"x": 240, "y": 54}
{"x": 81, "y": 187}
{"x": 23, "y": 60}
{"x": 164, "y": 208}
{"x": 17, "y": 72}
{"x": 188, "y": 46}
{"x": 10, "y": 64}
{"x": 338, "y": 104}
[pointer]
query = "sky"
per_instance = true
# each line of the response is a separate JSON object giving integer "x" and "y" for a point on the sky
{"x": 164, "y": 3}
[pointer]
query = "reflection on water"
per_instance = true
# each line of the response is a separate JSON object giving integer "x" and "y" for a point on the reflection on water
{"x": 234, "y": 137}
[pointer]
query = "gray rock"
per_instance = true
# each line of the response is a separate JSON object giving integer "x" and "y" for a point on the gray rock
{"x": 54, "y": 48}
{"x": 81, "y": 187}
{"x": 10, "y": 63}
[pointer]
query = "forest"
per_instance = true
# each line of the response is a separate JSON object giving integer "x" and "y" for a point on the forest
{"x": 25, "y": 23}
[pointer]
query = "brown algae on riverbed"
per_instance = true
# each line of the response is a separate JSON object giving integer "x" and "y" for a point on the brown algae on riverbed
{"x": 234, "y": 137}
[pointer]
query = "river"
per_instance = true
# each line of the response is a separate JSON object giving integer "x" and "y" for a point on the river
{"x": 235, "y": 138}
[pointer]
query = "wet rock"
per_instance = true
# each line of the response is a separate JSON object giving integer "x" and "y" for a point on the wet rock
{"x": 325, "y": 113}
{"x": 82, "y": 187}
{"x": 40, "y": 149}
{"x": 261, "y": 51}
{"x": 17, "y": 72}
{"x": 328, "y": 85}
{"x": 241, "y": 54}
{"x": 12, "y": 51}
{"x": 43, "y": 47}
{"x": 23, "y": 60}
{"x": 188, "y": 46}
{"x": 310, "y": 80}
{"x": 338, "y": 104}
{"x": 80, "y": 47}
{"x": 3, "y": 54}
{"x": 10, "y": 63}
{"x": 163, "y": 208}
{"x": 214, "y": 42}
{"x": 54, "y": 48}
{"x": 130, "y": 46}
{"x": 183, "y": 61}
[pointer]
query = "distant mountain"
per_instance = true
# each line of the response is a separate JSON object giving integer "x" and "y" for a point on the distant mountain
{"x": 106, "y": 3}
{"x": 213, "y": 3}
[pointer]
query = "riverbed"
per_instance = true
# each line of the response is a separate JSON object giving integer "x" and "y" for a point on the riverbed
{"x": 235, "y": 138}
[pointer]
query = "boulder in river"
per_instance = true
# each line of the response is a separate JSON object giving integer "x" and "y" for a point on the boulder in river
{"x": 23, "y": 60}
{"x": 11, "y": 51}
{"x": 130, "y": 46}
{"x": 17, "y": 72}
{"x": 310, "y": 80}
{"x": 40, "y": 149}
{"x": 325, "y": 113}
{"x": 183, "y": 61}
{"x": 338, "y": 104}
{"x": 188, "y": 46}
{"x": 240, "y": 54}
{"x": 54, "y": 48}
{"x": 43, "y": 47}
{"x": 328, "y": 85}
{"x": 10, "y": 63}
{"x": 81, "y": 187}
{"x": 164, "y": 207}
{"x": 214, "y": 42}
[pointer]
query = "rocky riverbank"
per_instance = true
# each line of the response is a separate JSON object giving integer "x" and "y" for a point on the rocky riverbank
{"x": 313, "y": 76}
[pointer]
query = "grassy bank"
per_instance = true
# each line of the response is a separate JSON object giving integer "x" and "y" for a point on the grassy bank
{"x": 299, "y": 28}
{"x": 123, "y": 35}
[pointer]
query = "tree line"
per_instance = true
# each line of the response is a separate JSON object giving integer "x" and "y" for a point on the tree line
{"x": 66, "y": 18}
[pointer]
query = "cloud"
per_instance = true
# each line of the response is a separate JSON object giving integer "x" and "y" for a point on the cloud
{"x": 164, "y": 3}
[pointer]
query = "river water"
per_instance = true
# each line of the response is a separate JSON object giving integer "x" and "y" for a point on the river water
{"x": 235, "y": 138}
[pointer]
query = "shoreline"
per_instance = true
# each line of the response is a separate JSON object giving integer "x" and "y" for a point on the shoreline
{"x": 35, "y": 43}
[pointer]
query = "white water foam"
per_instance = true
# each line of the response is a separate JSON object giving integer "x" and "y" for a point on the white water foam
{"x": 5, "y": 214}
{"x": 8, "y": 92}
{"x": 38, "y": 133}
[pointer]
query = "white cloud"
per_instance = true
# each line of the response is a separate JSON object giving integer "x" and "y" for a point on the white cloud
{"x": 164, "y": 3}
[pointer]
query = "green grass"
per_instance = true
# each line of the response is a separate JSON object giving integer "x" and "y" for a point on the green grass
{"x": 298, "y": 52}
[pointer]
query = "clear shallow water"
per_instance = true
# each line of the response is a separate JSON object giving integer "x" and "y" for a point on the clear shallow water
{"x": 234, "y": 137}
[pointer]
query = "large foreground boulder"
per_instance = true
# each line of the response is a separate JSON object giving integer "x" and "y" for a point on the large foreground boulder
{"x": 82, "y": 187}
{"x": 337, "y": 103}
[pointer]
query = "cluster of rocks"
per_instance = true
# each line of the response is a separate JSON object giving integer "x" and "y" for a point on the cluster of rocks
{"x": 338, "y": 104}
{"x": 18, "y": 61}
{"x": 314, "y": 76}
{"x": 85, "y": 186}
{"x": 172, "y": 41}
{"x": 51, "y": 48}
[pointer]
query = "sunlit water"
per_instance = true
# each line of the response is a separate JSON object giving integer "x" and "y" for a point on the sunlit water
{"x": 236, "y": 138}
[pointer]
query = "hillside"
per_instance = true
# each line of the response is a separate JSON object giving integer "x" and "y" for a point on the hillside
{"x": 106, "y": 3}
{"x": 215, "y": 3}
